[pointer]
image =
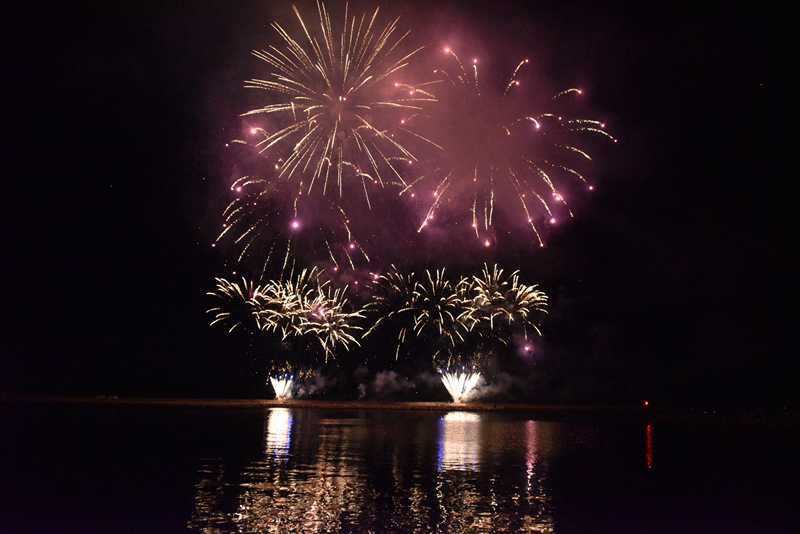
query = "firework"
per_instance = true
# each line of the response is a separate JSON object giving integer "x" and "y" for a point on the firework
{"x": 337, "y": 99}
{"x": 503, "y": 300}
{"x": 284, "y": 375}
{"x": 282, "y": 304}
{"x": 264, "y": 220}
{"x": 460, "y": 373}
{"x": 392, "y": 301}
{"x": 439, "y": 307}
{"x": 236, "y": 310}
{"x": 459, "y": 384}
{"x": 490, "y": 148}
{"x": 328, "y": 318}
{"x": 328, "y": 129}
{"x": 300, "y": 307}
{"x": 282, "y": 385}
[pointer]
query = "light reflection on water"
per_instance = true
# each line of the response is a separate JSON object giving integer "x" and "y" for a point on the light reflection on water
{"x": 279, "y": 432}
{"x": 410, "y": 472}
{"x": 459, "y": 440}
{"x": 306, "y": 470}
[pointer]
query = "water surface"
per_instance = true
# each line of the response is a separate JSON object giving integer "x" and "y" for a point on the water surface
{"x": 80, "y": 468}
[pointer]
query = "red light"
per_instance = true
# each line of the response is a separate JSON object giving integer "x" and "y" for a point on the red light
{"x": 646, "y": 403}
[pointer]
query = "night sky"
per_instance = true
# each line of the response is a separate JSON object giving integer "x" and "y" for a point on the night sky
{"x": 669, "y": 284}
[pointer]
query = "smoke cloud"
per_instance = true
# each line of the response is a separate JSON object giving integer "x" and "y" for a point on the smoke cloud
{"x": 316, "y": 385}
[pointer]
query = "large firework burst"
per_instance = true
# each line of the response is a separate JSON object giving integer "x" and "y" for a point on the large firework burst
{"x": 335, "y": 102}
{"x": 328, "y": 129}
{"x": 490, "y": 146}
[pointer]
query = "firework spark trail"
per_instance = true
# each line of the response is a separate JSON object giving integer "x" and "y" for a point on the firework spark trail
{"x": 333, "y": 106}
{"x": 236, "y": 307}
{"x": 283, "y": 375}
{"x": 282, "y": 385}
{"x": 438, "y": 307}
{"x": 328, "y": 318}
{"x": 300, "y": 306}
{"x": 249, "y": 223}
{"x": 392, "y": 300}
{"x": 460, "y": 384}
{"x": 500, "y": 299}
{"x": 497, "y": 146}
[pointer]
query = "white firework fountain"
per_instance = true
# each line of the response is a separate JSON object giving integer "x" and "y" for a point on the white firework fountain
{"x": 459, "y": 384}
{"x": 282, "y": 384}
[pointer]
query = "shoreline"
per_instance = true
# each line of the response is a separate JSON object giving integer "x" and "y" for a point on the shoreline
{"x": 636, "y": 412}
{"x": 327, "y": 404}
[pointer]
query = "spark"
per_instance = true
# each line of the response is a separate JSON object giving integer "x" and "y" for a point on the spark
{"x": 236, "y": 305}
{"x": 301, "y": 305}
{"x": 327, "y": 90}
{"x": 482, "y": 149}
{"x": 460, "y": 384}
{"x": 282, "y": 385}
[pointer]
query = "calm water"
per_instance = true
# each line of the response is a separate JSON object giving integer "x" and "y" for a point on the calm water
{"x": 154, "y": 469}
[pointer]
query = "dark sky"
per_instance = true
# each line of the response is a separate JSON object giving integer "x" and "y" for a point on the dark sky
{"x": 670, "y": 283}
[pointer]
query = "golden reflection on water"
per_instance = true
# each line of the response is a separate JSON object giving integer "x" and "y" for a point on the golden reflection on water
{"x": 459, "y": 440}
{"x": 279, "y": 428}
{"x": 461, "y": 472}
